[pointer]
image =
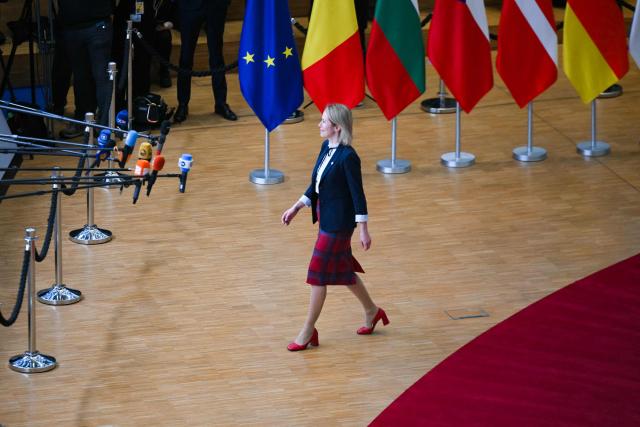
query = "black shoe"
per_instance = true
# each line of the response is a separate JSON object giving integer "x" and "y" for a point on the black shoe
{"x": 226, "y": 113}
{"x": 181, "y": 113}
{"x": 71, "y": 131}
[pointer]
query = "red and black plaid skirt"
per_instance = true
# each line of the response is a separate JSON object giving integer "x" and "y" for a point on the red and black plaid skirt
{"x": 332, "y": 262}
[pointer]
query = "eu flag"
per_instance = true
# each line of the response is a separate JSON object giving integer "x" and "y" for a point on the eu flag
{"x": 270, "y": 73}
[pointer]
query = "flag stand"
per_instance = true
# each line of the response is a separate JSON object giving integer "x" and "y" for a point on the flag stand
{"x": 457, "y": 159}
{"x": 441, "y": 104}
{"x": 393, "y": 165}
{"x": 266, "y": 175}
{"x": 593, "y": 148}
{"x": 529, "y": 153}
{"x": 611, "y": 92}
{"x": 296, "y": 117}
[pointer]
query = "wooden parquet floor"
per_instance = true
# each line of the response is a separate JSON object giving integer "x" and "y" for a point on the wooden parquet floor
{"x": 188, "y": 310}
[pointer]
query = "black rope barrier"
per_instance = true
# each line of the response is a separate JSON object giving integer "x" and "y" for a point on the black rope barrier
{"x": 23, "y": 280}
{"x": 627, "y": 5}
{"x": 154, "y": 53}
{"x": 76, "y": 177}
{"x": 426, "y": 20}
{"x": 299, "y": 26}
{"x": 42, "y": 254}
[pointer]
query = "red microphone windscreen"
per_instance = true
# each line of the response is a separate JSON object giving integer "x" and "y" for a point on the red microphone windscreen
{"x": 158, "y": 162}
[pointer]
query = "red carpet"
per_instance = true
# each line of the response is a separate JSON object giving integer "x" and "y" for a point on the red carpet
{"x": 570, "y": 359}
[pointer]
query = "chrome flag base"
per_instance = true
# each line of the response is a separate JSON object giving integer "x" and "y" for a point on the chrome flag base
{"x": 523, "y": 154}
{"x": 273, "y": 176}
{"x": 464, "y": 160}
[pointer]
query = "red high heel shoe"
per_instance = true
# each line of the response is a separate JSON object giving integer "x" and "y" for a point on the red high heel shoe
{"x": 379, "y": 315}
{"x": 313, "y": 341}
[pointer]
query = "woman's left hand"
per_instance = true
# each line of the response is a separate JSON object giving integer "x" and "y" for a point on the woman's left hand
{"x": 365, "y": 239}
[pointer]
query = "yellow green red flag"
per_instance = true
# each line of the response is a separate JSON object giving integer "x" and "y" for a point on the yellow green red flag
{"x": 332, "y": 61}
{"x": 594, "y": 46}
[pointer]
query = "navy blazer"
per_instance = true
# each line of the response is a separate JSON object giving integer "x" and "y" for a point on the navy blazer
{"x": 341, "y": 193}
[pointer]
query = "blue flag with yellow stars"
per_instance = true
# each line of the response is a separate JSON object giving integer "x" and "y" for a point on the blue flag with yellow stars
{"x": 268, "y": 64}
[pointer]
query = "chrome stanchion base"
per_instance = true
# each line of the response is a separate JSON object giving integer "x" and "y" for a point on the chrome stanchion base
{"x": 59, "y": 295}
{"x": 588, "y": 149}
{"x": 399, "y": 166}
{"x": 90, "y": 235}
{"x": 29, "y": 363}
{"x": 296, "y": 117}
{"x": 257, "y": 176}
{"x": 439, "y": 106}
{"x": 523, "y": 154}
{"x": 451, "y": 161}
{"x": 112, "y": 178}
{"x": 611, "y": 92}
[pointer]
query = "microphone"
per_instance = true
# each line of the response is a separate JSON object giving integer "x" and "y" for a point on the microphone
{"x": 165, "y": 127}
{"x": 129, "y": 143}
{"x": 105, "y": 143}
{"x": 158, "y": 164}
{"x": 145, "y": 152}
{"x": 141, "y": 170}
{"x": 185, "y": 162}
{"x": 122, "y": 120}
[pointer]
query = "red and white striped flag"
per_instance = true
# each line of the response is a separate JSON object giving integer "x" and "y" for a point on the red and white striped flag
{"x": 458, "y": 47}
{"x": 527, "y": 48}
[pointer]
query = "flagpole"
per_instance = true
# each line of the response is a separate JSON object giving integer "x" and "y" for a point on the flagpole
{"x": 593, "y": 148}
{"x": 458, "y": 159}
{"x": 529, "y": 153}
{"x": 440, "y": 105}
{"x": 266, "y": 176}
{"x": 393, "y": 165}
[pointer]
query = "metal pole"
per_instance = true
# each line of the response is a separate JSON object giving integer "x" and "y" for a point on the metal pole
{"x": 90, "y": 234}
{"x": 593, "y": 148}
{"x": 529, "y": 153}
{"x": 457, "y": 159}
{"x": 58, "y": 293}
{"x": 31, "y": 361}
{"x": 266, "y": 153}
{"x": 113, "y": 177}
{"x": 393, "y": 165}
{"x": 112, "y": 70}
{"x": 130, "y": 75}
{"x": 266, "y": 175}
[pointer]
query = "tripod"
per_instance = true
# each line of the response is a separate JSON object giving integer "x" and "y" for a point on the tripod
{"x": 23, "y": 30}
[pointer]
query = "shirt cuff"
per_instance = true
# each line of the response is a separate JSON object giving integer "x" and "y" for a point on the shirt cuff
{"x": 362, "y": 218}
{"x": 304, "y": 199}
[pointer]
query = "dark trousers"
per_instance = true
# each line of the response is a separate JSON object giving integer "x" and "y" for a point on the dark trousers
{"x": 60, "y": 75}
{"x": 191, "y": 19}
{"x": 88, "y": 50}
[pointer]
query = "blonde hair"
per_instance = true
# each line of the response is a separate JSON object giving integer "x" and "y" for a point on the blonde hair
{"x": 340, "y": 115}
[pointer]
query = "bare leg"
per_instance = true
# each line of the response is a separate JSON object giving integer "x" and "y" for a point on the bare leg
{"x": 316, "y": 301}
{"x": 370, "y": 309}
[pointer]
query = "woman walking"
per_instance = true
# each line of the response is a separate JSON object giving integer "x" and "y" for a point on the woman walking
{"x": 337, "y": 201}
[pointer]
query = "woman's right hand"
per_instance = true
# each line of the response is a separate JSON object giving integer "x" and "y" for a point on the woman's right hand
{"x": 289, "y": 214}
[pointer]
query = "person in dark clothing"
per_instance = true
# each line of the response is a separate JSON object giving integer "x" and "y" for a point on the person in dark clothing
{"x": 87, "y": 36}
{"x": 191, "y": 15}
{"x": 165, "y": 19}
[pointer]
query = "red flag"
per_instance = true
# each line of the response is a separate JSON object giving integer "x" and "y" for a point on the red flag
{"x": 527, "y": 48}
{"x": 459, "y": 49}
